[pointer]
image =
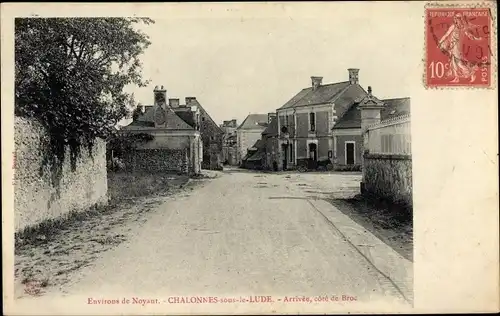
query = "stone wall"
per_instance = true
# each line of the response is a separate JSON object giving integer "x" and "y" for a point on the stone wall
{"x": 36, "y": 197}
{"x": 389, "y": 177}
{"x": 158, "y": 160}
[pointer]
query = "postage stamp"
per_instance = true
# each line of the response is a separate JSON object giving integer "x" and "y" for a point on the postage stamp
{"x": 459, "y": 47}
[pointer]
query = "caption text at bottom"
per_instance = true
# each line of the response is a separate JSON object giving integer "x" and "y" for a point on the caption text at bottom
{"x": 223, "y": 300}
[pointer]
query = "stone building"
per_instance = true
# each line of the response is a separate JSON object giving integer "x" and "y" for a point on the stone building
{"x": 229, "y": 142}
{"x": 270, "y": 138}
{"x": 211, "y": 133}
{"x": 174, "y": 143}
{"x": 305, "y": 122}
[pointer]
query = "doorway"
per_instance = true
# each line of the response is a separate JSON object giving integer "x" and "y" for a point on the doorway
{"x": 313, "y": 152}
{"x": 284, "y": 149}
{"x": 349, "y": 153}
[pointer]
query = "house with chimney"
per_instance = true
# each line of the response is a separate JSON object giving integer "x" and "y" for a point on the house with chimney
{"x": 248, "y": 133}
{"x": 211, "y": 134}
{"x": 305, "y": 122}
{"x": 229, "y": 142}
{"x": 170, "y": 139}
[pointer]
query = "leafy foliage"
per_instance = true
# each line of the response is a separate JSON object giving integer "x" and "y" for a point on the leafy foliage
{"x": 70, "y": 74}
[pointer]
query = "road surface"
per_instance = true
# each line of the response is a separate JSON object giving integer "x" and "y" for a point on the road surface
{"x": 248, "y": 233}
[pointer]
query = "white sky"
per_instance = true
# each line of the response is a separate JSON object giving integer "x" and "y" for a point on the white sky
{"x": 241, "y": 61}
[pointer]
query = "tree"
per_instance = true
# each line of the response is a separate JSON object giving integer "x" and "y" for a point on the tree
{"x": 70, "y": 74}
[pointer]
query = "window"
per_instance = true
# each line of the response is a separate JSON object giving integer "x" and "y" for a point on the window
{"x": 312, "y": 122}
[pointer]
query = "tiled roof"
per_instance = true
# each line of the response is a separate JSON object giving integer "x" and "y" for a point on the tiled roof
{"x": 205, "y": 113}
{"x": 186, "y": 115}
{"x": 395, "y": 107}
{"x": 257, "y": 151}
{"x": 323, "y": 94}
{"x": 259, "y": 144}
{"x": 257, "y": 156}
{"x": 272, "y": 129}
{"x": 254, "y": 121}
{"x": 392, "y": 108}
{"x": 146, "y": 120}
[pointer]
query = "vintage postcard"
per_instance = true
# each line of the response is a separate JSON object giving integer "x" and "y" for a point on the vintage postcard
{"x": 249, "y": 158}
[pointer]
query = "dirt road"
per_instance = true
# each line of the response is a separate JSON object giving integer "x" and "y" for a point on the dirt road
{"x": 247, "y": 233}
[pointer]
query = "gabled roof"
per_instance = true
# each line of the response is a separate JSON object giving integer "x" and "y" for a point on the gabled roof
{"x": 322, "y": 94}
{"x": 146, "y": 120}
{"x": 345, "y": 99}
{"x": 395, "y": 107}
{"x": 259, "y": 144}
{"x": 205, "y": 113}
{"x": 272, "y": 129}
{"x": 392, "y": 108}
{"x": 186, "y": 115}
{"x": 254, "y": 121}
{"x": 257, "y": 151}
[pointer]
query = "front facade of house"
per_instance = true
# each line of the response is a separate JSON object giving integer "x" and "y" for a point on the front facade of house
{"x": 306, "y": 120}
{"x": 248, "y": 133}
{"x": 175, "y": 145}
{"x": 347, "y": 132}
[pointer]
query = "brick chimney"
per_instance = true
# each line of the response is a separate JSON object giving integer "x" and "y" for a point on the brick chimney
{"x": 316, "y": 82}
{"x": 189, "y": 100}
{"x": 174, "y": 103}
{"x": 160, "y": 96}
{"x": 353, "y": 75}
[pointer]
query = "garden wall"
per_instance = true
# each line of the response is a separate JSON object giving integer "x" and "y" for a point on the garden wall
{"x": 36, "y": 197}
{"x": 157, "y": 160}
{"x": 389, "y": 177}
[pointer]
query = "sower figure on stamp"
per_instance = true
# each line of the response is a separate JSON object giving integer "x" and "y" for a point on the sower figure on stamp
{"x": 451, "y": 44}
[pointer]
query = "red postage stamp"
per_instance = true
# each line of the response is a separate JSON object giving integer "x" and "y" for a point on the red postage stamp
{"x": 458, "y": 46}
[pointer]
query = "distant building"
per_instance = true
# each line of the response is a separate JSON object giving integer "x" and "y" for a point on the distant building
{"x": 270, "y": 138}
{"x": 264, "y": 154}
{"x": 248, "y": 133}
{"x": 211, "y": 133}
{"x": 173, "y": 141}
{"x": 229, "y": 142}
